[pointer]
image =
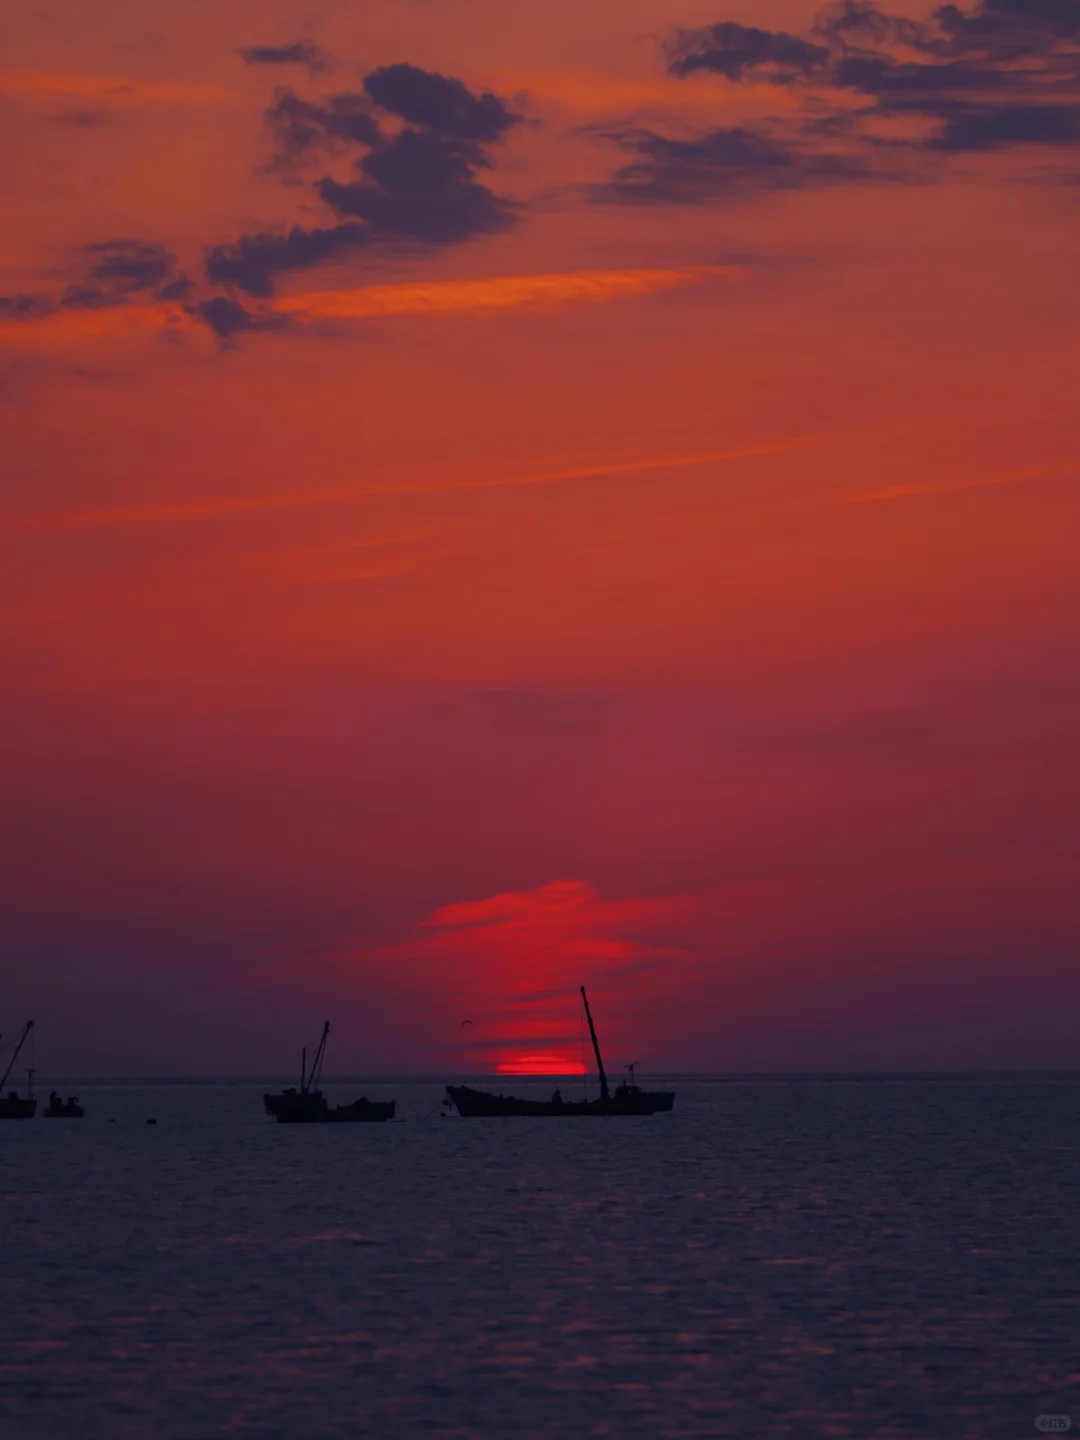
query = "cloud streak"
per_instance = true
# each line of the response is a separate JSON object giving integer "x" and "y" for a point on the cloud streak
{"x": 225, "y": 507}
{"x": 301, "y": 52}
{"x": 52, "y": 330}
{"x": 55, "y": 329}
{"x": 45, "y": 85}
{"x": 514, "y": 292}
{"x": 887, "y": 494}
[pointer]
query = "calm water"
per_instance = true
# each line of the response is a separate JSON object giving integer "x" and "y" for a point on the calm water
{"x": 802, "y": 1258}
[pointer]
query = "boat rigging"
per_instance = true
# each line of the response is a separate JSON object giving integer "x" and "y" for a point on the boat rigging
{"x": 309, "y": 1105}
{"x": 626, "y": 1099}
{"x": 13, "y": 1106}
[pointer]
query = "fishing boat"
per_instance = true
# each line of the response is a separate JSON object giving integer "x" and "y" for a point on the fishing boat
{"x": 60, "y": 1109}
{"x": 14, "y": 1106}
{"x": 362, "y": 1110}
{"x": 308, "y": 1105}
{"x": 626, "y": 1099}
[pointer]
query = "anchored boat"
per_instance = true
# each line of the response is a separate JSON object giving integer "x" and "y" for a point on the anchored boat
{"x": 309, "y": 1105}
{"x": 626, "y": 1099}
{"x": 14, "y": 1106}
{"x": 60, "y": 1109}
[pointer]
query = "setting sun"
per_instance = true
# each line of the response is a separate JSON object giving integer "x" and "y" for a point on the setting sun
{"x": 540, "y": 1065}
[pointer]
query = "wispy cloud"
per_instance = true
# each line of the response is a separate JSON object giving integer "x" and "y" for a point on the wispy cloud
{"x": 312, "y": 57}
{"x": 606, "y": 93}
{"x": 45, "y": 329}
{"x": 511, "y": 292}
{"x": 886, "y": 494}
{"x": 47, "y": 85}
{"x": 225, "y": 506}
{"x": 61, "y": 329}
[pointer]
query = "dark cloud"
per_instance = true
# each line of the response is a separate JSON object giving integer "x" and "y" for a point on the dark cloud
{"x": 897, "y": 85}
{"x": 416, "y": 184}
{"x": 419, "y": 187}
{"x": 439, "y": 103}
{"x": 178, "y": 289}
{"x": 968, "y": 80}
{"x": 994, "y": 29}
{"x": 25, "y": 307}
{"x": 1000, "y": 75}
{"x": 1008, "y": 29}
{"x": 720, "y": 164}
{"x": 127, "y": 266}
{"x": 227, "y": 318}
{"x": 686, "y": 171}
{"x": 251, "y": 263}
{"x": 992, "y": 34}
{"x": 855, "y": 23}
{"x": 90, "y": 297}
{"x": 741, "y": 51}
{"x": 113, "y": 272}
{"x": 83, "y": 119}
{"x": 974, "y": 128}
{"x": 300, "y": 52}
{"x": 301, "y": 124}
{"x": 423, "y": 138}
{"x": 116, "y": 270}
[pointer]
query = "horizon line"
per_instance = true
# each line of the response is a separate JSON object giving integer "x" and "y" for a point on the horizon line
{"x": 412, "y": 1078}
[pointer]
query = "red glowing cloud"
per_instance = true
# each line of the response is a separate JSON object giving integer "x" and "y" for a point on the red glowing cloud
{"x": 506, "y": 971}
{"x": 540, "y": 1065}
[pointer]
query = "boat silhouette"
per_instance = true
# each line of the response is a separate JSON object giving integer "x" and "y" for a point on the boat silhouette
{"x": 14, "y": 1106}
{"x": 309, "y": 1106}
{"x": 60, "y": 1109}
{"x": 626, "y": 1099}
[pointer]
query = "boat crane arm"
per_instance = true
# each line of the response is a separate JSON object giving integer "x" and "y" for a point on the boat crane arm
{"x": 316, "y": 1064}
{"x": 596, "y": 1047}
{"x": 18, "y": 1047}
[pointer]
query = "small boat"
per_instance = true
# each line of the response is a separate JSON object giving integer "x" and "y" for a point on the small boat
{"x": 68, "y": 1109}
{"x": 14, "y": 1106}
{"x": 363, "y": 1109}
{"x": 309, "y": 1105}
{"x": 626, "y": 1099}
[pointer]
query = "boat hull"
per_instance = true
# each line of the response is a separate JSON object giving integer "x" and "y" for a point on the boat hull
{"x": 297, "y": 1107}
{"x": 472, "y": 1104}
{"x": 15, "y": 1107}
{"x": 294, "y": 1108}
{"x": 363, "y": 1110}
{"x": 663, "y": 1101}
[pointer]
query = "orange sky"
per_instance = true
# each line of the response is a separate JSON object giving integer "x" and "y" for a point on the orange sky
{"x": 643, "y": 556}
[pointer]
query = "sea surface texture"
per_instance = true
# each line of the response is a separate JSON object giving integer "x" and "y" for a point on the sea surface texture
{"x": 806, "y": 1258}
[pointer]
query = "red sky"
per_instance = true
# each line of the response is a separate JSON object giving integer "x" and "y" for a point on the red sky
{"x": 501, "y": 498}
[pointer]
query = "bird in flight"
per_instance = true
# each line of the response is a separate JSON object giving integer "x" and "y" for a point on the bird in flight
{"x": 468, "y": 1022}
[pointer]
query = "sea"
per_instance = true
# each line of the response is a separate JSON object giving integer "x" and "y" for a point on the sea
{"x": 822, "y": 1258}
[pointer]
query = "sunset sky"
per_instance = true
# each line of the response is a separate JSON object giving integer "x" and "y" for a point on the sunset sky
{"x": 506, "y": 496}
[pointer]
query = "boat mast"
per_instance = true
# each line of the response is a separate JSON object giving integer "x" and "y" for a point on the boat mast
{"x": 18, "y": 1047}
{"x": 316, "y": 1064}
{"x": 596, "y": 1047}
